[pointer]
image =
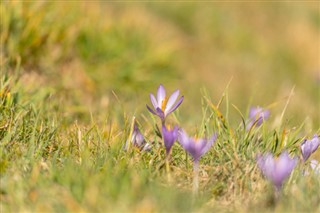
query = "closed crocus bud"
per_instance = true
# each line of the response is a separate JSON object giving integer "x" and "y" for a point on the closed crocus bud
{"x": 276, "y": 170}
{"x": 137, "y": 140}
{"x": 309, "y": 146}
{"x": 256, "y": 116}
{"x": 163, "y": 105}
{"x": 169, "y": 137}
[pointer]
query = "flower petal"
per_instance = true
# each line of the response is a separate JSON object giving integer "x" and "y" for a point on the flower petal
{"x": 154, "y": 101}
{"x": 254, "y": 111}
{"x": 175, "y": 106}
{"x": 209, "y": 143}
{"x": 153, "y": 112}
{"x": 161, "y": 94}
{"x": 172, "y": 100}
{"x": 183, "y": 139}
{"x": 160, "y": 113}
{"x": 169, "y": 137}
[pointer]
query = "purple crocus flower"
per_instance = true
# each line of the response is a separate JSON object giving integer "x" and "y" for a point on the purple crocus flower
{"x": 137, "y": 140}
{"x": 196, "y": 147}
{"x": 169, "y": 137}
{"x": 163, "y": 105}
{"x": 276, "y": 170}
{"x": 256, "y": 116}
{"x": 309, "y": 146}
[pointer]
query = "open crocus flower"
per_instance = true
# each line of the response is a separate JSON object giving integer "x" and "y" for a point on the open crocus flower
{"x": 163, "y": 105}
{"x": 256, "y": 116}
{"x": 196, "y": 147}
{"x": 276, "y": 170}
{"x": 309, "y": 146}
{"x": 169, "y": 137}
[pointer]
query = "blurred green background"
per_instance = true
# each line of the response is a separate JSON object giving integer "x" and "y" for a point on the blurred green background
{"x": 85, "y": 50}
{"x": 73, "y": 74}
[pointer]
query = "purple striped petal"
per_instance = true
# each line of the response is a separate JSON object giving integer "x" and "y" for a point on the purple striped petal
{"x": 160, "y": 113}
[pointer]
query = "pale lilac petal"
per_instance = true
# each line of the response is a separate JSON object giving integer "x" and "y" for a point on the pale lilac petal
{"x": 175, "y": 106}
{"x": 254, "y": 111}
{"x": 309, "y": 146}
{"x": 276, "y": 170}
{"x": 267, "y": 165}
{"x": 283, "y": 168}
{"x": 183, "y": 138}
{"x": 172, "y": 100}
{"x": 154, "y": 101}
{"x": 209, "y": 144}
{"x": 257, "y": 116}
{"x": 161, "y": 95}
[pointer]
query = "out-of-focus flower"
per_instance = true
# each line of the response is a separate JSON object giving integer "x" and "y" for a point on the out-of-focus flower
{"x": 163, "y": 105}
{"x": 169, "y": 137}
{"x": 276, "y": 170}
{"x": 315, "y": 166}
{"x": 256, "y": 116}
{"x": 196, "y": 147}
{"x": 137, "y": 140}
{"x": 309, "y": 146}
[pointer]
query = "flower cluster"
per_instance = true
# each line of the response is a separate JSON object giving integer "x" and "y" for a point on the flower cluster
{"x": 275, "y": 169}
{"x": 163, "y": 106}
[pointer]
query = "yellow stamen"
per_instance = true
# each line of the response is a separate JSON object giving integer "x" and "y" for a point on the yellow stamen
{"x": 168, "y": 127}
{"x": 164, "y": 103}
{"x": 196, "y": 138}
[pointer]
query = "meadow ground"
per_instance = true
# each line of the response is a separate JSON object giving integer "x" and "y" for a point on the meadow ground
{"x": 74, "y": 77}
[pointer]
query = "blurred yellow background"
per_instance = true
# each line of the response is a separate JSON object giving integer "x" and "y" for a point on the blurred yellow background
{"x": 87, "y": 49}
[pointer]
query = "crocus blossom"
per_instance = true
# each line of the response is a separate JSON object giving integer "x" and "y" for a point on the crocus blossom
{"x": 256, "y": 116}
{"x": 138, "y": 140}
{"x": 163, "y": 105}
{"x": 196, "y": 147}
{"x": 169, "y": 137}
{"x": 276, "y": 170}
{"x": 309, "y": 146}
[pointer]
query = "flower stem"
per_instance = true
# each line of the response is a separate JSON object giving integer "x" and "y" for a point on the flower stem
{"x": 277, "y": 194}
{"x": 168, "y": 168}
{"x": 195, "y": 177}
